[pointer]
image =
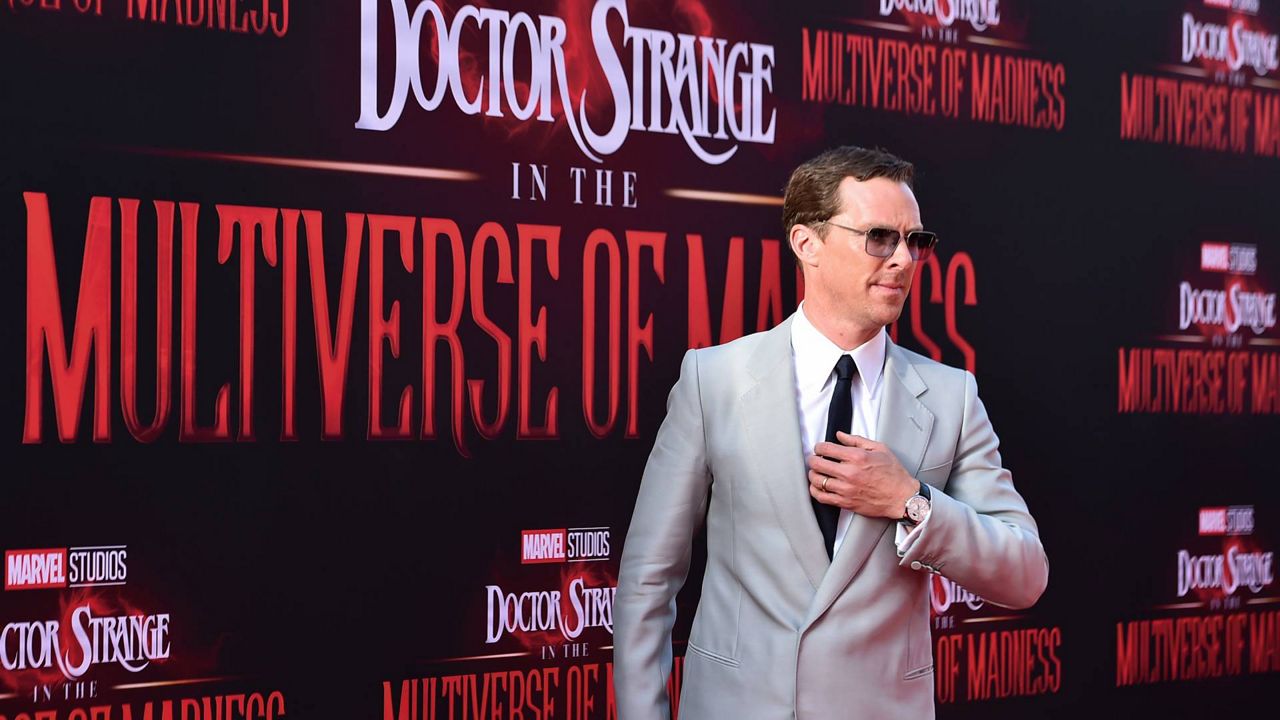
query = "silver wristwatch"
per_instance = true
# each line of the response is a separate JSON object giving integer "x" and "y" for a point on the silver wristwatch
{"x": 918, "y": 506}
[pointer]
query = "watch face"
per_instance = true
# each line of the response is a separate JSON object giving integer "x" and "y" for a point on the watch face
{"x": 916, "y": 508}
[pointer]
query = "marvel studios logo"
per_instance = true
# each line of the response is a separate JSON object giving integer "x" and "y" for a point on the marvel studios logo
{"x": 1247, "y": 6}
{"x": 37, "y": 569}
{"x": 1232, "y": 520}
{"x": 1237, "y": 258}
{"x": 564, "y": 545}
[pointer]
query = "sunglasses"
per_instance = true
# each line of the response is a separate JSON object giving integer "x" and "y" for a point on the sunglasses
{"x": 882, "y": 242}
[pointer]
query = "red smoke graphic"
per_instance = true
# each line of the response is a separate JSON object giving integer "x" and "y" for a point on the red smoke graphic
{"x": 1245, "y": 21}
{"x": 1241, "y": 283}
{"x": 581, "y": 69}
{"x": 593, "y": 575}
{"x": 99, "y": 603}
{"x": 918, "y": 20}
{"x": 1240, "y": 545}
{"x": 1012, "y": 24}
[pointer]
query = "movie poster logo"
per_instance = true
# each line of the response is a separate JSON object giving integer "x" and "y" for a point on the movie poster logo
{"x": 1244, "y": 6}
{"x": 1228, "y": 41}
{"x": 1215, "y": 312}
{"x": 1229, "y": 46}
{"x": 1234, "y": 258}
{"x": 1222, "y": 620}
{"x": 561, "y": 627}
{"x": 1234, "y": 520}
{"x": 560, "y": 618}
{"x": 1218, "y": 356}
{"x": 1237, "y": 566}
{"x": 86, "y": 635}
{"x": 554, "y": 612}
{"x": 92, "y": 646}
{"x": 560, "y": 615}
{"x": 1227, "y": 303}
{"x": 604, "y": 79}
{"x": 40, "y": 569}
{"x": 1217, "y": 87}
{"x": 956, "y": 59}
{"x": 1222, "y": 574}
{"x": 979, "y": 15}
{"x": 986, "y": 652}
{"x": 564, "y": 545}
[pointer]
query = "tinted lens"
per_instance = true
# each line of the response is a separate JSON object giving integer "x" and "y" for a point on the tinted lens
{"x": 881, "y": 242}
{"x": 920, "y": 244}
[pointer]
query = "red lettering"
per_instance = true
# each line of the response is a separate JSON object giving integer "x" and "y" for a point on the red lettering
{"x": 533, "y": 331}
{"x": 189, "y": 431}
{"x": 961, "y": 261}
{"x": 434, "y": 331}
{"x": 935, "y": 296}
{"x": 129, "y": 318}
{"x": 252, "y": 221}
{"x": 598, "y": 239}
{"x": 386, "y": 328}
{"x": 490, "y": 232}
{"x": 289, "y": 323}
{"x": 769, "y": 309}
{"x": 699, "y": 306}
{"x": 333, "y": 346}
{"x": 639, "y": 335}
{"x": 44, "y": 324}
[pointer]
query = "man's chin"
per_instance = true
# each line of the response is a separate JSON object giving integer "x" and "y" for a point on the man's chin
{"x": 888, "y": 315}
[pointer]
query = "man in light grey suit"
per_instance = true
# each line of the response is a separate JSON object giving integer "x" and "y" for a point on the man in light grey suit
{"x": 820, "y": 544}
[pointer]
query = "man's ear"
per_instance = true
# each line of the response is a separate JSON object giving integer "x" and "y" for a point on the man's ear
{"x": 806, "y": 245}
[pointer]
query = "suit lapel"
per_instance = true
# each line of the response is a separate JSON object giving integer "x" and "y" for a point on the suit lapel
{"x": 773, "y": 441}
{"x": 904, "y": 425}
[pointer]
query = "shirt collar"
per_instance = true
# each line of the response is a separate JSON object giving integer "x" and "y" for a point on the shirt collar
{"x": 815, "y": 355}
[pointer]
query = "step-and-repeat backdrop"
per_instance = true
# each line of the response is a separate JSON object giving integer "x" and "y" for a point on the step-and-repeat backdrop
{"x": 338, "y": 336}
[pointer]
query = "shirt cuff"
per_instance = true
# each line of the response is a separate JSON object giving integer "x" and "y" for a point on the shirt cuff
{"x": 905, "y": 537}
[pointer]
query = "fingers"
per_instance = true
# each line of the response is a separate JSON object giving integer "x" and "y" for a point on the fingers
{"x": 857, "y": 441}
{"x": 827, "y": 467}
{"x": 826, "y": 498}
{"x": 827, "y": 483}
{"x": 848, "y": 447}
{"x": 836, "y": 451}
{"x": 828, "y": 490}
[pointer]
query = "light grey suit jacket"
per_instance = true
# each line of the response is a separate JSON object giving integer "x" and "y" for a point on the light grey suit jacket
{"x": 780, "y": 631}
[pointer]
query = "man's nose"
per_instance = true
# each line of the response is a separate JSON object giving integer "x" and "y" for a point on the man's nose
{"x": 901, "y": 256}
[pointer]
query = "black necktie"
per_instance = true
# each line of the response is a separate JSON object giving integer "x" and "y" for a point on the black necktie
{"x": 839, "y": 417}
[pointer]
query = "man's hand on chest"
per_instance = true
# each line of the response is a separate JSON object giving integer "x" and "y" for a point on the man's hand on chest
{"x": 860, "y": 475}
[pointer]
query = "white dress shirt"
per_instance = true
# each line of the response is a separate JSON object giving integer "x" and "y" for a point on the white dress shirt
{"x": 814, "y": 357}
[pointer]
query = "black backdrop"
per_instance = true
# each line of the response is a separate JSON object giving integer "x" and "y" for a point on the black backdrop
{"x": 340, "y": 572}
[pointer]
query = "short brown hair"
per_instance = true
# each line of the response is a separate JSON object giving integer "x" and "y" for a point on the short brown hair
{"x": 812, "y": 192}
